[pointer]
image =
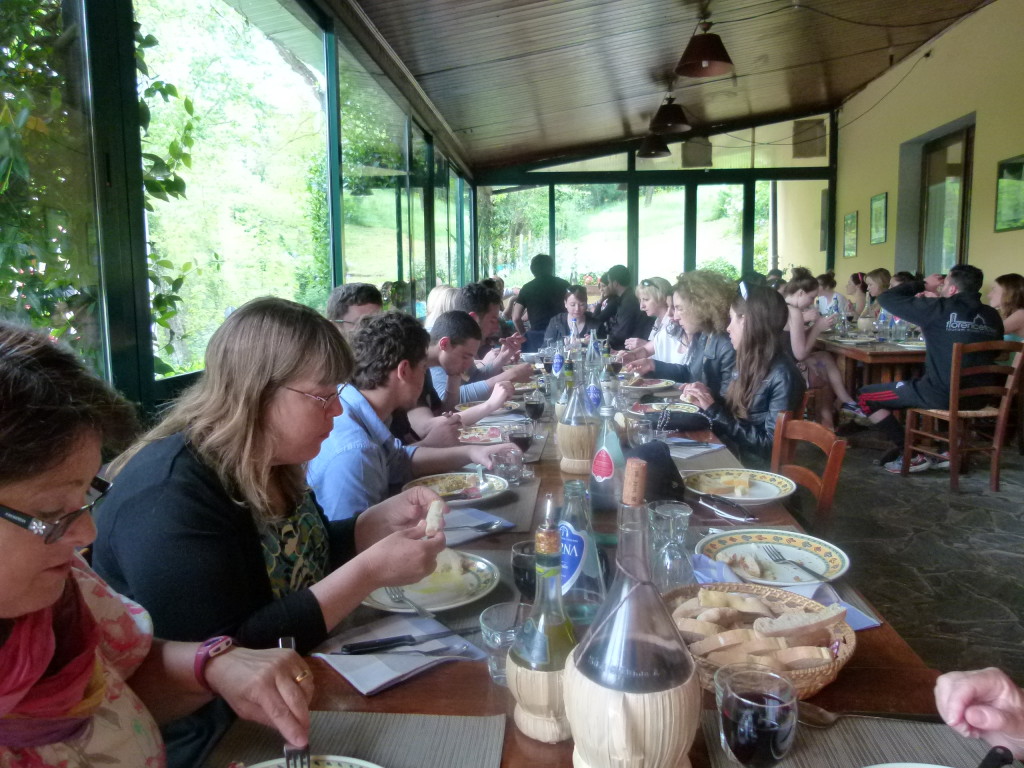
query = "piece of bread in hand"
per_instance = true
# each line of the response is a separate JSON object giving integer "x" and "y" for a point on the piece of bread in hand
{"x": 790, "y": 624}
{"x": 435, "y": 514}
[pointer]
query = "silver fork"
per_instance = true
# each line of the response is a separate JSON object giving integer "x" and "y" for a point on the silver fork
{"x": 397, "y": 595}
{"x": 296, "y": 757}
{"x": 777, "y": 557}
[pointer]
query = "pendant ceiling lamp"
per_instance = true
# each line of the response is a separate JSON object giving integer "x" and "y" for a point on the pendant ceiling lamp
{"x": 669, "y": 118}
{"x": 705, "y": 55}
{"x": 653, "y": 146}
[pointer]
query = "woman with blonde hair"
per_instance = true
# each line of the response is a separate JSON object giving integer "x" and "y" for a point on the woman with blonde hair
{"x": 655, "y": 296}
{"x": 441, "y": 299}
{"x": 84, "y": 682}
{"x": 875, "y": 282}
{"x": 210, "y": 523}
{"x": 1007, "y": 296}
{"x": 703, "y": 352}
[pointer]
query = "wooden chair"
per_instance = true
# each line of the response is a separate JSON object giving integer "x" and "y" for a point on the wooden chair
{"x": 963, "y": 437}
{"x": 809, "y": 403}
{"x": 789, "y": 432}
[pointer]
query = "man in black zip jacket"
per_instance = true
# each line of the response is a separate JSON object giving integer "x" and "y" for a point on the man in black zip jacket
{"x": 956, "y": 315}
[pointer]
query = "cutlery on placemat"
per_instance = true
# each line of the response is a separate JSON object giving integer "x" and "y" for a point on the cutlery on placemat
{"x": 996, "y": 757}
{"x": 817, "y": 717}
{"x": 725, "y": 509}
{"x": 382, "y": 644}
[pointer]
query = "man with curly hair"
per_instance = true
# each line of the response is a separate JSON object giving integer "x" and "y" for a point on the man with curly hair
{"x": 361, "y": 463}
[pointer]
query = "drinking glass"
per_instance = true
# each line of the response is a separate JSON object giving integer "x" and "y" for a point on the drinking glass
{"x": 641, "y": 432}
{"x": 534, "y": 403}
{"x": 758, "y": 712}
{"x": 509, "y": 465}
{"x": 499, "y": 625}
{"x": 672, "y": 567}
{"x": 524, "y": 569}
{"x": 520, "y": 434}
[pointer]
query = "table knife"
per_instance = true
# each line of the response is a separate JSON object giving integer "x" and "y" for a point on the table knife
{"x": 384, "y": 643}
{"x": 725, "y": 508}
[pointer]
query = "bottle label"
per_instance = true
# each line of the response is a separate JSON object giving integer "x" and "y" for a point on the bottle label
{"x": 556, "y": 364}
{"x": 574, "y": 550}
{"x": 603, "y": 467}
{"x": 534, "y": 643}
{"x": 594, "y": 395}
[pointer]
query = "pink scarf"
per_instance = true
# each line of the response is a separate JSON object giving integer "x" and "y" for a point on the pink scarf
{"x": 52, "y": 683}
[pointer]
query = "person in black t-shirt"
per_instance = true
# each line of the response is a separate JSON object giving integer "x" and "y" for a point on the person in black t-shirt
{"x": 629, "y": 321}
{"x": 541, "y": 298}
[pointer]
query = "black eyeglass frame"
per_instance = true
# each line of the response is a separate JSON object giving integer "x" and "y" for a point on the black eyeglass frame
{"x": 55, "y": 530}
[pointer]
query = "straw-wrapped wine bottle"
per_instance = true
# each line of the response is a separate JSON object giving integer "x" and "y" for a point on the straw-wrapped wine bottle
{"x": 576, "y": 433}
{"x": 631, "y": 691}
{"x": 537, "y": 657}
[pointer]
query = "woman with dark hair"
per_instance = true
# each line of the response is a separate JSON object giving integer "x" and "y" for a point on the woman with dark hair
{"x": 828, "y": 297}
{"x": 213, "y": 502}
{"x": 83, "y": 680}
{"x": 1007, "y": 296}
{"x": 900, "y": 278}
{"x": 765, "y": 383}
{"x": 857, "y": 288}
{"x": 575, "y": 309}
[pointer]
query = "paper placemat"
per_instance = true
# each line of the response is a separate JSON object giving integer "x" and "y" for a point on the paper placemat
{"x": 859, "y": 742}
{"x": 519, "y": 507}
{"x": 394, "y": 741}
{"x": 470, "y": 516}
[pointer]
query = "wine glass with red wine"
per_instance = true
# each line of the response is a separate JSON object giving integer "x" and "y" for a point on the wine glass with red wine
{"x": 534, "y": 406}
{"x": 758, "y": 712}
{"x": 520, "y": 434}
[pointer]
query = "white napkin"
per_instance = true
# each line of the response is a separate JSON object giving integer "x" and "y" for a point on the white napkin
{"x": 373, "y": 672}
{"x": 708, "y": 571}
{"x": 689, "y": 451}
{"x": 470, "y": 516}
{"x": 506, "y": 418}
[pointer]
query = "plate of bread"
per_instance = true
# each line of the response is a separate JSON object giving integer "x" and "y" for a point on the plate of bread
{"x": 747, "y": 487}
{"x": 732, "y": 623}
{"x": 742, "y": 549}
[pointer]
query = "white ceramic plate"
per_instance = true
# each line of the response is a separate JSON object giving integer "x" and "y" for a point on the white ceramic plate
{"x": 650, "y": 385}
{"x": 906, "y": 765}
{"x": 680, "y": 407}
{"x": 449, "y": 482}
{"x": 322, "y": 761}
{"x": 510, "y": 406}
{"x": 817, "y": 554}
{"x": 479, "y": 577}
{"x": 764, "y": 486}
{"x": 480, "y": 435}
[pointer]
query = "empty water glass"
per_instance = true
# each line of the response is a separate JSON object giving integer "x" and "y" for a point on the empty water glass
{"x": 499, "y": 625}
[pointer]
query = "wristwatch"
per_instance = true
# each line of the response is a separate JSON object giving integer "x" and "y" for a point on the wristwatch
{"x": 215, "y": 646}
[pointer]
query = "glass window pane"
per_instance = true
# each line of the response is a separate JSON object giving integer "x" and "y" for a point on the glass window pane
{"x": 788, "y": 226}
{"x": 49, "y": 254}
{"x": 662, "y": 219}
{"x": 720, "y": 228}
{"x": 417, "y": 274}
{"x": 235, "y": 166}
{"x": 442, "y": 236}
{"x": 373, "y": 172}
{"x": 468, "y": 239}
{"x": 590, "y": 229}
{"x": 513, "y": 228}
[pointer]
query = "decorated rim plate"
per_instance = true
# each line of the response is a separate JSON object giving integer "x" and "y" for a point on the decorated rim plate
{"x": 763, "y": 486}
{"x": 480, "y": 435}
{"x": 680, "y": 407}
{"x": 439, "y": 592}
{"x": 649, "y": 385}
{"x": 910, "y": 344}
{"x": 510, "y": 406}
{"x": 322, "y": 761}
{"x": 735, "y": 546}
{"x": 526, "y": 386}
{"x": 453, "y": 482}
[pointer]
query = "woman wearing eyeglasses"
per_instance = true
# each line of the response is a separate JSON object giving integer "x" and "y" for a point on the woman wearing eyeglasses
{"x": 82, "y": 680}
{"x": 210, "y": 523}
{"x": 765, "y": 383}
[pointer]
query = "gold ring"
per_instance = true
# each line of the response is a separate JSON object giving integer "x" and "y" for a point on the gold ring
{"x": 302, "y": 675}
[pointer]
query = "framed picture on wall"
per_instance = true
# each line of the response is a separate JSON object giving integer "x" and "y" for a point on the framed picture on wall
{"x": 1010, "y": 194}
{"x": 850, "y": 235}
{"x": 879, "y": 214}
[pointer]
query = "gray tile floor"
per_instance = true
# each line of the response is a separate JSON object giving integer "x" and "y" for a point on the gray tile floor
{"x": 946, "y": 569}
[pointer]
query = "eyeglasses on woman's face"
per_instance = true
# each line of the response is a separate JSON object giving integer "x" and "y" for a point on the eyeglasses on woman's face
{"x": 54, "y": 530}
{"x": 325, "y": 402}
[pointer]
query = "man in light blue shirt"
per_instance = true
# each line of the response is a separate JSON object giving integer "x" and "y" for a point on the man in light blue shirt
{"x": 361, "y": 463}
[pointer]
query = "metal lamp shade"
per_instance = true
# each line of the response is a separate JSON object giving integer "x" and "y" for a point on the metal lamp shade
{"x": 653, "y": 146}
{"x": 669, "y": 118}
{"x": 705, "y": 56}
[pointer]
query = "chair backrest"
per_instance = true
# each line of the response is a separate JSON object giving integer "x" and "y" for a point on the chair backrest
{"x": 789, "y": 432}
{"x": 1000, "y": 381}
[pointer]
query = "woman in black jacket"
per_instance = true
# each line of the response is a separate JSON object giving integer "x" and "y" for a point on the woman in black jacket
{"x": 575, "y": 309}
{"x": 765, "y": 383}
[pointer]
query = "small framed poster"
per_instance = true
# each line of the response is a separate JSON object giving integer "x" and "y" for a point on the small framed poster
{"x": 879, "y": 216}
{"x": 850, "y": 235}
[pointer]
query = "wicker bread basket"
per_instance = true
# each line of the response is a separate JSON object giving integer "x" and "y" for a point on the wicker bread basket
{"x": 807, "y": 681}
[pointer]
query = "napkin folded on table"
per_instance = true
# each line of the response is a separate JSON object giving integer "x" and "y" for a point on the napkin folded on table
{"x": 709, "y": 571}
{"x": 373, "y": 672}
{"x": 689, "y": 451}
{"x": 470, "y": 516}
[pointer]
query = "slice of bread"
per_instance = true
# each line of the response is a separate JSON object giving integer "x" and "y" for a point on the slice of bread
{"x": 693, "y": 630}
{"x": 722, "y": 640}
{"x": 803, "y": 657}
{"x": 789, "y": 624}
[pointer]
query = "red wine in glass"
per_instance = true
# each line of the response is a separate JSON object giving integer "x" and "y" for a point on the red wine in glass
{"x": 547, "y": 364}
{"x": 521, "y": 441}
{"x": 535, "y": 409}
{"x": 615, "y": 367}
{"x": 758, "y": 727}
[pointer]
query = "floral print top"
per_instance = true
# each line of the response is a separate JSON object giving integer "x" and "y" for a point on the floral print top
{"x": 123, "y": 733}
{"x": 296, "y": 550}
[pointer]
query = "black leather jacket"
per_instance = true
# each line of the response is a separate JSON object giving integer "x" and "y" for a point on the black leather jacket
{"x": 751, "y": 438}
{"x": 710, "y": 360}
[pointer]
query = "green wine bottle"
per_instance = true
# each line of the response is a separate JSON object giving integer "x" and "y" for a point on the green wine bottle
{"x": 547, "y": 637}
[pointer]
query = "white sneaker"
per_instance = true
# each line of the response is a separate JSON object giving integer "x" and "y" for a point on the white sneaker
{"x": 942, "y": 462}
{"x": 918, "y": 463}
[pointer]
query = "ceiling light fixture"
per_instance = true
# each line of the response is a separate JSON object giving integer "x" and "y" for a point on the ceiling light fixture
{"x": 670, "y": 118}
{"x": 705, "y": 54}
{"x": 653, "y": 146}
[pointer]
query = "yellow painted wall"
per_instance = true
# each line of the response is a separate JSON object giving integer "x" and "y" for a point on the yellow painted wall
{"x": 800, "y": 225}
{"x": 977, "y": 66}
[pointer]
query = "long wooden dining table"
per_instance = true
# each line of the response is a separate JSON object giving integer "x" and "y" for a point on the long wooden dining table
{"x": 884, "y": 674}
{"x": 881, "y": 361}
